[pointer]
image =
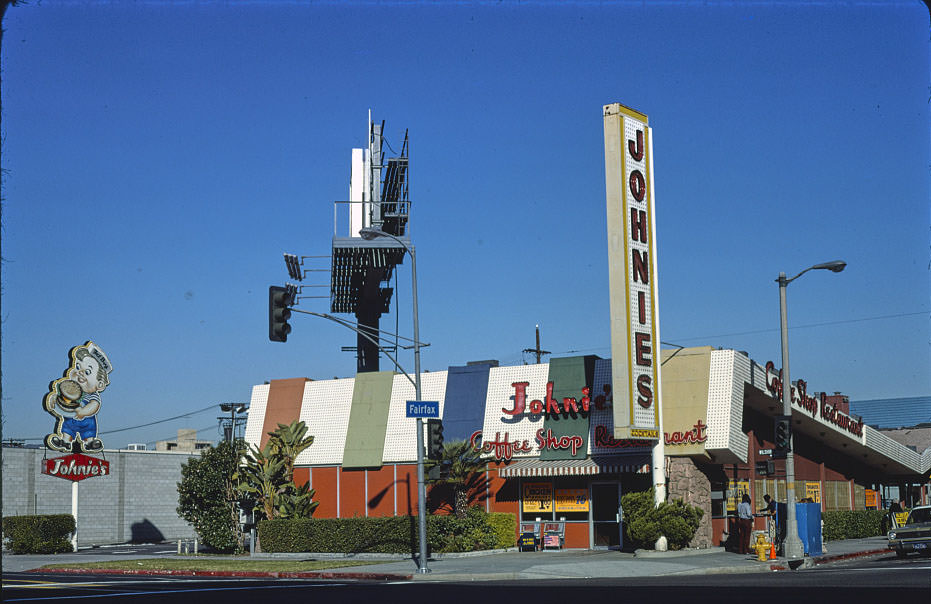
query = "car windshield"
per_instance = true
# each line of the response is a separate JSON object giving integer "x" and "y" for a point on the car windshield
{"x": 919, "y": 515}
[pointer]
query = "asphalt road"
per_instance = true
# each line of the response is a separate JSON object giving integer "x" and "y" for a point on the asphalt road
{"x": 869, "y": 580}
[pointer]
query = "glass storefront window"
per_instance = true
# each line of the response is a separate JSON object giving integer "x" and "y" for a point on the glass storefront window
{"x": 561, "y": 499}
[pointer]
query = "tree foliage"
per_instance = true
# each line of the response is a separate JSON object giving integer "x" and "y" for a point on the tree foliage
{"x": 208, "y": 498}
{"x": 462, "y": 478}
{"x": 267, "y": 474}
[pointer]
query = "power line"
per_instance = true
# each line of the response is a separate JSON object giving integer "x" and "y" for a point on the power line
{"x": 160, "y": 421}
{"x": 198, "y": 431}
{"x": 759, "y": 331}
{"x": 825, "y": 323}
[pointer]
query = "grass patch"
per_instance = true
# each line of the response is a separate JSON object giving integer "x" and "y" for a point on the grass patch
{"x": 217, "y": 564}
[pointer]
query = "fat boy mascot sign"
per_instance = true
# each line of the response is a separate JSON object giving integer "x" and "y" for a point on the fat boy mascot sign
{"x": 74, "y": 400}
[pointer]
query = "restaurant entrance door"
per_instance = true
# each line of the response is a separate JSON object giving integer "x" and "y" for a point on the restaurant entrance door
{"x": 606, "y": 515}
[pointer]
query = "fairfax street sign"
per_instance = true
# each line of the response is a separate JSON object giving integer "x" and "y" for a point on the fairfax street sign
{"x": 423, "y": 408}
{"x": 76, "y": 467}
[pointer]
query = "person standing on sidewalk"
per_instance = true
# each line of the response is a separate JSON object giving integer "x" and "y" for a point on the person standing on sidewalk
{"x": 744, "y": 524}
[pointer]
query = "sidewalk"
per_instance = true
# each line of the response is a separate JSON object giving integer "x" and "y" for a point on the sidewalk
{"x": 510, "y": 565}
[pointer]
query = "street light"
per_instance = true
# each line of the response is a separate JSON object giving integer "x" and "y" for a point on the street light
{"x": 370, "y": 233}
{"x": 793, "y": 545}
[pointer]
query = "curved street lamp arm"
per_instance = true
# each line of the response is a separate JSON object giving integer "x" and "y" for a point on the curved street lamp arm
{"x": 348, "y": 325}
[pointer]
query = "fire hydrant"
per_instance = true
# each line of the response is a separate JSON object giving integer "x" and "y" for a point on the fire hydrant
{"x": 762, "y": 548}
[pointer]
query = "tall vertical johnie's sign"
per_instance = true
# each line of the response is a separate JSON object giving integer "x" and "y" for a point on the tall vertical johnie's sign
{"x": 632, "y": 273}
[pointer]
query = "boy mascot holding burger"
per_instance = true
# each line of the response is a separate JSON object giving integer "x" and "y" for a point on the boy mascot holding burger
{"x": 74, "y": 400}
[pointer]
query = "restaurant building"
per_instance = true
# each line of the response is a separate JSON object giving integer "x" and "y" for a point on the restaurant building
{"x": 547, "y": 431}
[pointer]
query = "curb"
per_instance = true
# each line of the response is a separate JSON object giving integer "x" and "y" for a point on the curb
{"x": 229, "y": 573}
{"x": 839, "y": 557}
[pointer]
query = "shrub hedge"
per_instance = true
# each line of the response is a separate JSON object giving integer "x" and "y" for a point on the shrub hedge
{"x": 852, "y": 524}
{"x": 388, "y": 534}
{"x": 43, "y": 534}
{"x": 644, "y": 523}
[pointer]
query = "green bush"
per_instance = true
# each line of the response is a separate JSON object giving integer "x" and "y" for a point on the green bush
{"x": 852, "y": 524}
{"x": 389, "y": 534}
{"x": 505, "y": 528}
{"x": 48, "y": 534}
{"x": 644, "y": 523}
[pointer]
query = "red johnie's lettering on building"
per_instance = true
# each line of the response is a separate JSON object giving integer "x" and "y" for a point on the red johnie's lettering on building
{"x": 502, "y": 449}
{"x": 548, "y": 441}
{"x": 603, "y": 401}
{"x": 520, "y": 398}
{"x": 552, "y": 406}
{"x": 694, "y": 436}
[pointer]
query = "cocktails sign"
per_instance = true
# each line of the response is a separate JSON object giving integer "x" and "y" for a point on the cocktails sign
{"x": 76, "y": 467}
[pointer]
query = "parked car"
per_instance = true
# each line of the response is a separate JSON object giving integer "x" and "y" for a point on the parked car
{"x": 914, "y": 535}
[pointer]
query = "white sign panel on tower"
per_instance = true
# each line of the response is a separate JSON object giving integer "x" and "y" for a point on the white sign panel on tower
{"x": 632, "y": 273}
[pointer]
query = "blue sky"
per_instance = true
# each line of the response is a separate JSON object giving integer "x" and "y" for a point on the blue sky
{"x": 160, "y": 157}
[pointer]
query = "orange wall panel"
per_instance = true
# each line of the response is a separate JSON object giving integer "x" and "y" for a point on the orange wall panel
{"x": 323, "y": 480}
{"x": 381, "y": 492}
{"x": 351, "y": 493}
{"x": 407, "y": 490}
{"x": 576, "y": 535}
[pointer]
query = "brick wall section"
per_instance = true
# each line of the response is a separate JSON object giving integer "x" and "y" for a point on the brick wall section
{"x": 135, "y": 502}
{"x": 688, "y": 483}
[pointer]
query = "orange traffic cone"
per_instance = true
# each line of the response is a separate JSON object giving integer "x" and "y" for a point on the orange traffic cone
{"x": 772, "y": 551}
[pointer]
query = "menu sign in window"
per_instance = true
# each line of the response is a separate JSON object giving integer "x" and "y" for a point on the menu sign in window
{"x": 571, "y": 500}
{"x": 538, "y": 497}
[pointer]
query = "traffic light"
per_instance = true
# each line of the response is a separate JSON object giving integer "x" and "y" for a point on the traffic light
{"x": 279, "y": 299}
{"x": 782, "y": 440}
{"x": 434, "y": 439}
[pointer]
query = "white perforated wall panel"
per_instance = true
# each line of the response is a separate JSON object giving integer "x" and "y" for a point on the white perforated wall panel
{"x": 738, "y": 442}
{"x": 501, "y": 395}
{"x": 256, "y": 418}
{"x": 601, "y": 417}
{"x": 725, "y": 402}
{"x": 325, "y": 409}
{"x": 401, "y": 437}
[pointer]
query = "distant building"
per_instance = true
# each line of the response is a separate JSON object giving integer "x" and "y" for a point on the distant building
{"x": 891, "y": 413}
{"x": 136, "y": 447}
{"x": 186, "y": 442}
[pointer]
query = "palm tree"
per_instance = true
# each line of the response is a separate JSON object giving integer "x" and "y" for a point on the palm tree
{"x": 461, "y": 472}
{"x": 268, "y": 474}
{"x": 289, "y": 441}
{"x": 261, "y": 477}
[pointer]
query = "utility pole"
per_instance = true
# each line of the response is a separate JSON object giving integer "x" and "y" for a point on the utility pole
{"x": 233, "y": 409}
{"x": 537, "y": 350}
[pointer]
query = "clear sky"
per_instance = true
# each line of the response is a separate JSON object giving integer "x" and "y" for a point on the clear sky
{"x": 160, "y": 157}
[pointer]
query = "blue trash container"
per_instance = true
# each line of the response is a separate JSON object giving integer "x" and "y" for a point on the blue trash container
{"x": 808, "y": 519}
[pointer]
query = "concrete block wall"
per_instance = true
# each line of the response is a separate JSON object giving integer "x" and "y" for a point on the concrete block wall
{"x": 136, "y": 502}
